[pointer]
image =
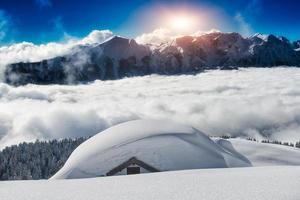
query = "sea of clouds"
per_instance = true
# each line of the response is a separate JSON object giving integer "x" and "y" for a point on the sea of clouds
{"x": 256, "y": 102}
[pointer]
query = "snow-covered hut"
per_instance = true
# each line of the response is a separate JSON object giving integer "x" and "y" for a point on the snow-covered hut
{"x": 143, "y": 146}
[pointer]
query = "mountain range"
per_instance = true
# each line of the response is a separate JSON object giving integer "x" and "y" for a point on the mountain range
{"x": 120, "y": 57}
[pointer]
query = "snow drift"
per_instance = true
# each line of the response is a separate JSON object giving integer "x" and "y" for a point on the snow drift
{"x": 264, "y": 154}
{"x": 163, "y": 144}
{"x": 248, "y": 183}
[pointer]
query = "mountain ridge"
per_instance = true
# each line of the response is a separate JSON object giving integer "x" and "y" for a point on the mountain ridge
{"x": 120, "y": 57}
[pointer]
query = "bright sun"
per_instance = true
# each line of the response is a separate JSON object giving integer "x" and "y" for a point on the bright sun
{"x": 182, "y": 23}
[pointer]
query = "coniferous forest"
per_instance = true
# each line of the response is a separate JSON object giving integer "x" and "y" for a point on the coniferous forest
{"x": 36, "y": 160}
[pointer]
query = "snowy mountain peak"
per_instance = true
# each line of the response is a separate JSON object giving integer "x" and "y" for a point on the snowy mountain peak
{"x": 270, "y": 38}
{"x": 263, "y": 37}
{"x": 115, "y": 40}
{"x": 119, "y": 57}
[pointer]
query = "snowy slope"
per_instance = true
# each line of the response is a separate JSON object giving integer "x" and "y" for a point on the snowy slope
{"x": 259, "y": 183}
{"x": 260, "y": 154}
{"x": 163, "y": 144}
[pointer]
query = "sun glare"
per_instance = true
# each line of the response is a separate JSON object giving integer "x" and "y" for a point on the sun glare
{"x": 182, "y": 23}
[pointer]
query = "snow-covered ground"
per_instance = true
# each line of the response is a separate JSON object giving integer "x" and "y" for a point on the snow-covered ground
{"x": 259, "y": 183}
{"x": 269, "y": 182}
{"x": 261, "y": 154}
{"x": 254, "y": 102}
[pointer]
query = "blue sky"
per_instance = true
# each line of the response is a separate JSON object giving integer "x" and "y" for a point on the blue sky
{"x": 41, "y": 21}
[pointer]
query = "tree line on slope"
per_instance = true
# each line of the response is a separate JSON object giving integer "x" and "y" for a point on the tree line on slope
{"x": 290, "y": 144}
{"x": 35, "y": 160}
{"x": 297, "y": 144}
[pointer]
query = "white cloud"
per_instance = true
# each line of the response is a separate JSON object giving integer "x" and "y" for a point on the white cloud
{"x": 162, "y": 35}
{"x": 251, "y": 12}
{"x": 254, "y": 102}
{"x": 199, "y": 33}
{"x": 244, "y": 27}
{"x": 59, "y": 25}
{"x": 4, "y": 25}
{"x": 97, "y": 36}
{"x": 29, "y": 52}
{"x": 156, "y": 37}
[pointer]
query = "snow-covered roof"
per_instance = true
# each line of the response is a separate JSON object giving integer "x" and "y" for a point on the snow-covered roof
{"x": 163, "y": 144}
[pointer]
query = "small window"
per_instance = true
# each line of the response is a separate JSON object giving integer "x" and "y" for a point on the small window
{"x": 133, "y": 170}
